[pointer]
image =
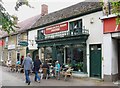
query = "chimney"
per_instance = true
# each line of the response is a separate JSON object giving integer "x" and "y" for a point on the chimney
{"x": 44, "y": 9}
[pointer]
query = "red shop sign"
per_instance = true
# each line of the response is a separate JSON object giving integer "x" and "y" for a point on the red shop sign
{"x": 56, "y": 28}
{"x": 110, "y": 25}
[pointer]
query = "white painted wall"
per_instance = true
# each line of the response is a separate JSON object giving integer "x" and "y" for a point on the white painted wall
{"x": 110, "y": 55}
{"x": 31, "y": 36}
{"x": 107, "y": 50}
{"x": 114, "y": 57}
{"x": 96, "y": 34}
{"x": 95, "y": 31}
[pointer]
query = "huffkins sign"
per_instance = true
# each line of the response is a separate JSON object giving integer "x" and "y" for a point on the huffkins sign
{"x": 56, "y": 28}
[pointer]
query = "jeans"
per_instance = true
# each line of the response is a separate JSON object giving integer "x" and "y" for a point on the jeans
{"x": 27, "y": 72}
{"x": 57, "y": 75}
{"x": 37, "y": 76}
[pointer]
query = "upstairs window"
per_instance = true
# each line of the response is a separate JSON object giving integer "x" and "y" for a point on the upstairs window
{"x": 76, "y": 24}
{"x": 6, "y": 42}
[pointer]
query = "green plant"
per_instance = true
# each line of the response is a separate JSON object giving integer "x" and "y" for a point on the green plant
{"x": 80, "y": 65}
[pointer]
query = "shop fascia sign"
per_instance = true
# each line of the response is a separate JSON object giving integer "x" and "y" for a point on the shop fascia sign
{"x": 110, "y": 25}
{"x": 56, "y": 28}
{"x": 12, "y": 46}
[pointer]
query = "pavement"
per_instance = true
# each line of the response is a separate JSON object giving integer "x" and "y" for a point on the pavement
{"x": 18, "y": 79}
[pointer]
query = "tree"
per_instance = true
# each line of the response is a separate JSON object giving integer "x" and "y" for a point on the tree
{"x": 112, "y": 6}
{"x": 9, "y": 21}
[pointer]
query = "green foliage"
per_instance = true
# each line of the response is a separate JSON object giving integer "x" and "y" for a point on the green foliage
{"x": 22, "y": 2}
{"x": 116, "y": 9}
{"x": 80, "y": 65}
{"x": 8, "y": 21}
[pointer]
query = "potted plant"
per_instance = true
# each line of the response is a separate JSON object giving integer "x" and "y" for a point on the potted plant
{"x": 80, "y": 66}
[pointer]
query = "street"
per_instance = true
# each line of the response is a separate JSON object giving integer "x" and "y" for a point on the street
{"x": 17, "y": 79}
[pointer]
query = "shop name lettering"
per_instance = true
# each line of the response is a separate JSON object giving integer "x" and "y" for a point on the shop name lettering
{"x": 56, "y": 28}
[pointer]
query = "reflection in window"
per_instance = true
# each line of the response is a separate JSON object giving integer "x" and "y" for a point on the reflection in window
{"x": 78, "y": 59}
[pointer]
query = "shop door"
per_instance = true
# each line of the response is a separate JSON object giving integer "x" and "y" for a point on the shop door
{"x": 95, "y": 61}
{"x": 119, "y": 59}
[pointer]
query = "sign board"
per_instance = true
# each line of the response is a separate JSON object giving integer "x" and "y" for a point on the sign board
{"x": 23, "y": 43}
{"x": 56, "y": 28}
{"x": 11, "y": 46}
{"x": 110, "y": 25}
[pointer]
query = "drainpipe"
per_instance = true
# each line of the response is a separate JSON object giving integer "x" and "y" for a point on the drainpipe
{"x": 27, "y": 48}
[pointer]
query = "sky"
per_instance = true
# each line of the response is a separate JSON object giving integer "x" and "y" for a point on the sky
{"x": 25, "y": 12}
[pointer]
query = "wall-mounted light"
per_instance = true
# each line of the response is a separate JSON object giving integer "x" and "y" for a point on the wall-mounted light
{"x": 31, "y": 42}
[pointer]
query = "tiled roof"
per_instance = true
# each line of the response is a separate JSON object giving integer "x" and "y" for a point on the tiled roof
{"x": 23, "y": 26}
{"x": 68, "y": 12}
{"x": 27, "y": 24}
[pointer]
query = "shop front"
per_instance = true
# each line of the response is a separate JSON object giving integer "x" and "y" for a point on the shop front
{"x": 68, "y": 46}
{"x": 111, "y": 54}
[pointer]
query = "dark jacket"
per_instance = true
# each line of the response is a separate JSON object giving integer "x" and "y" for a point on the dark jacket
{"x": 37, "y": 64}
{"x": 45, "y": 65}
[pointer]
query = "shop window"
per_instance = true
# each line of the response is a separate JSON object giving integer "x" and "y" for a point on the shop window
{"x": 9, "y": 55}
{"x": 78, "y": 59}
{"x": 6, "y": 42}
{"x": 18, "y": 56}
{"x": 49, "y": 55}
{"x": 18, "y": 39}
{"x": 77, "y": 62}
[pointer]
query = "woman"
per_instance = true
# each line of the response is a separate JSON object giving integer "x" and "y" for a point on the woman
{"x": 37, "y": 64}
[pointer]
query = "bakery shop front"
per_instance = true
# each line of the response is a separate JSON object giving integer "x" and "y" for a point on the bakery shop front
{"x": 65, "y": 42}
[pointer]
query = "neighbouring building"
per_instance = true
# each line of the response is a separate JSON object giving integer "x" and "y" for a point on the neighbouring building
{"x": 111, "y": 46}
{"x": 15, "y": 45}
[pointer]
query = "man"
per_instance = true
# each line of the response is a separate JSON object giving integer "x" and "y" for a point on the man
{"x": 37, "y": 64}
{"x": 27, "y": 63}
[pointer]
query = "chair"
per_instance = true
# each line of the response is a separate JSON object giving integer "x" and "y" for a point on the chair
{"x": 45, "y": 74}
{"x": 13, "y": 67}
{"x": 67, "y": 73}
{"x": 18, "y": 68}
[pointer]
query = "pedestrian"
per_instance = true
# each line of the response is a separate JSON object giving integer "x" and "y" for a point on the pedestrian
{"x": 36, "y": 68}
{"x": 57, "y": 70}
{"x": 27, "y": 63}
{"x": 22, "y": 58}
{"x": 17, "y": 66}
{"x": 46, "y": 66}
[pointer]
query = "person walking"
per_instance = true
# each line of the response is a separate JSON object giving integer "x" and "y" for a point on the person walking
{"x": 57, "y": 70}
{"x": 27, "y": 63}
{"x": 46, "y": 66}
{"x": 36, "y": 68}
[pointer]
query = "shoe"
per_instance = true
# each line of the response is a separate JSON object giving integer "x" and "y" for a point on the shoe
{"x": 28, "y": 83}
{"x": 38, "y": 81}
